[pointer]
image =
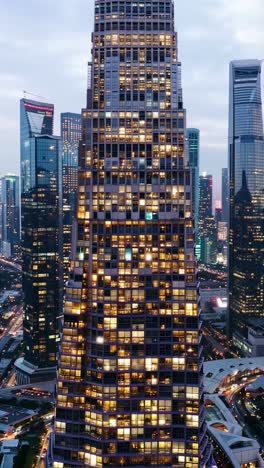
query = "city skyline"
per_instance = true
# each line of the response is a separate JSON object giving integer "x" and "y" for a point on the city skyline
{"x": 205, "y": 73}
{"x": 132, "y": 234}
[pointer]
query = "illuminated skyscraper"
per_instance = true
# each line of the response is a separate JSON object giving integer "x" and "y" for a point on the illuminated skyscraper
{"x": 71, "y": 128}
{"x": 41, "y": 222}
{"x": 206, "y": 197}
{"x": 193, "y": 139}
{"x": 225, "y": 195}
{"x": 246, "y": 169}
{"x": 10, "y": 202}
{"x": 207, "y": 225}
{"x": 130, "y": 385}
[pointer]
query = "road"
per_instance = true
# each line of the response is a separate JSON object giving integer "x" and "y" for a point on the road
{"x": 218, "y": 341}
{"x": 13, "y": 328}
{"x": 12, "y": 265}
{"x": 16, "y": 322}
{"x": 11, "y": 379}
{"x": 41, "y": 459}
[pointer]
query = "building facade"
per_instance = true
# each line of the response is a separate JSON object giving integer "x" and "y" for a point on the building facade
{"x": 130, "y": 387}
{"x": 206, "y": 248}
{"x": 206, "y": 196}
{"x": 10, "y": 204}
{"x": 41, "y": 222}
{"x": 193, "y": 141}
{"x": 225, "y": 195}
{"x": 71, "y": 132}
{"x": 246, "y": 171}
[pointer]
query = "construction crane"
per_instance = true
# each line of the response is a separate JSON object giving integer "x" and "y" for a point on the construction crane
{"x": 31, "y": 94}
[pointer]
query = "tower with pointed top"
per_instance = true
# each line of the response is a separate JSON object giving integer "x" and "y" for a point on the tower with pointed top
{"x": 130, "y": 380}
{"x": 246, "y": 172}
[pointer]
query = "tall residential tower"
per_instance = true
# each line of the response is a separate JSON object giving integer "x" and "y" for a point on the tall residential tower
{"x": 130, "y": 384}
{"x": 246, "y": 170}
{"x": 41, "y": 225}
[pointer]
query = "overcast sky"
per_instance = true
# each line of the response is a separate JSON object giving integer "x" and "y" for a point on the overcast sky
{"x": 45, "y": 44}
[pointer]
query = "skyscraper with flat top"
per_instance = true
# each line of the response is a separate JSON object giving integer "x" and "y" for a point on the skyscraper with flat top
{"x": 41, "y": 222}
{"x": 71, "y": 127}
{"x": 225, "y": 195}
{"x": 207, "y": 226}
{"x": 246, "y": 171}
{"x": 130, "y": 385}
{"x": 193, "y": 142}
{"x": 10, "y": 203}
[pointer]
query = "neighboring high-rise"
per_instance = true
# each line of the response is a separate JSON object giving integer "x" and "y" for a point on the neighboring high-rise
{"x": 71, "y": 132}
{"x": 206, "y": 196}
{"x": 10, "y": 214}
{"x": 246, "y": 170}
{"x": 193, "y": 139}
{"x": 225, "y": 195}
{"x": 41, "y": 233}
{"x": 207, "y": 225}
{"x": 130, "y": 383}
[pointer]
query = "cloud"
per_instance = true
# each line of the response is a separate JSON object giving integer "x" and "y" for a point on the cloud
{"x": 243, "y": 21}
{"x": 45, "y": 46}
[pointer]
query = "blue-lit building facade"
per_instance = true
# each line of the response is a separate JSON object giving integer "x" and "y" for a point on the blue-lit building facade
{"x": 10, "y": 215}
{"x": 246, "y": 171}
{"x": 206, "y": 248}
{"x": 130, "y": 379}
{"x": 71, "y": 132}
{"x": 193, "y": 146}
{"x": 41, "y": 234}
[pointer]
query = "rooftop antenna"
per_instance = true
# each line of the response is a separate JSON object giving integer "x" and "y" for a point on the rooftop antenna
{"x": 26, "y": 93}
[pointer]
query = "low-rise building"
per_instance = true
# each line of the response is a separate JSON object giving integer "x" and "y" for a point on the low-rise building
{"x": 213, "y": 304}
{"x": 9, "y": 450}
{"x": 251, "y": 345}
{"x": 231, "y": 447}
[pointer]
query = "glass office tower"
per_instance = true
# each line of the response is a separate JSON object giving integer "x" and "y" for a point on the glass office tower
{"x": 246, "y": 169}
{"x": 71, "y": 132}
{"x": 130, "y": 389}
{"x": 41, "y": 223}
{"x": 225, "y": 195}
{"x": 193, "y": 139}
{"x": 10, "y": 203}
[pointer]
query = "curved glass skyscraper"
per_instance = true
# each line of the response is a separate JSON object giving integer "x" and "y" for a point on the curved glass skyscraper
{"x": 246, "y": 168}
{"x": 130, "y": 387}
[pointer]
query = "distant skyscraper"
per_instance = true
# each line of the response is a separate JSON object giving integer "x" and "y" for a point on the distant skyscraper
{"x": 218, "y": 215}
{"x": 206, "y": 196}
{"x": 10, "y": 215}
{"x": 225, "y": 195}
{"x": 130, "y": 385}
{"x": 193, "y": 138}
{"x": 41, "y": 222}
{"x": 246, "y": 169}
{"x": 71, "y": 132}
{"x": 207, "y": 226}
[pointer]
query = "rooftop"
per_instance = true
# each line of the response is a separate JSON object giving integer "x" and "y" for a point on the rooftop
{"x": 216, "y": 371}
